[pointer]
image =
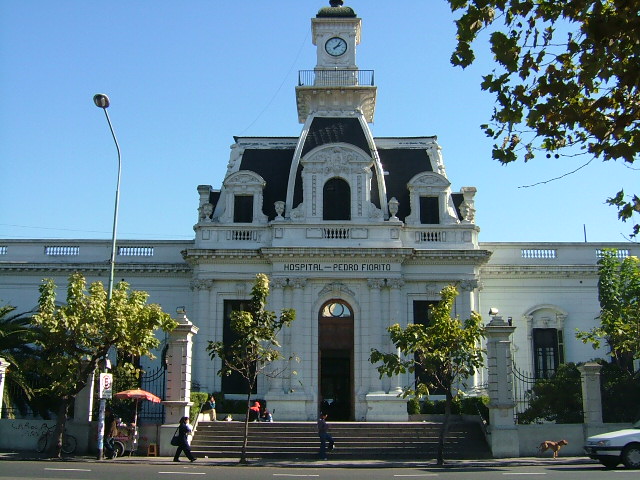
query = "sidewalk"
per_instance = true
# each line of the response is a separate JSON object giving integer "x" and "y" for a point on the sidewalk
{"x": 305, "y": 463}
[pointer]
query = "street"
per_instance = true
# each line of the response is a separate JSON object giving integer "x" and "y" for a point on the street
{"x": 39, "y": 470}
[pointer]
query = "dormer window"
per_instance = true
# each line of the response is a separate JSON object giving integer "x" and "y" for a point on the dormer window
{"x": 429, "y": 210}
{"x": 243, "y": 209}
{"x": 336, "y": 200}
{"x": 430, "y": 200}
{"x": 241, "y": 199}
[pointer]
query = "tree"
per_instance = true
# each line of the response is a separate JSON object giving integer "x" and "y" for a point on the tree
{"x": 256, "y": 347}
{"x": 447, "y": 350}
{"x": 619, "y": 295}
{"x": 567, "y": 79}
{"x": 78, "y": 334}
{"x": 557, "y": 399}
{"x": 17, "y": 337}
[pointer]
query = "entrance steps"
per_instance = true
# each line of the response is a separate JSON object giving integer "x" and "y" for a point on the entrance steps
{"x": 361, "y": 440}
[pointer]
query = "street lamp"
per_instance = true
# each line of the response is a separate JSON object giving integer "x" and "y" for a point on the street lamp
{"x": 102, "y": 101}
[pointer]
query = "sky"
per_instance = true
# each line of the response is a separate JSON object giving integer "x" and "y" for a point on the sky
{"x": 185, "y": 77}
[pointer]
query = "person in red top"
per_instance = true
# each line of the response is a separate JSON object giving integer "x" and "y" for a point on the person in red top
{"x": 254, "y": 412}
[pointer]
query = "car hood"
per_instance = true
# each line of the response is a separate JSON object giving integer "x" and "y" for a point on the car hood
{"x": 617, "y": 434}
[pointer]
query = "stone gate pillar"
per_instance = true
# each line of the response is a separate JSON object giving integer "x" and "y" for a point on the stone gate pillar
{"x": 178, "y": 390}
{"x": 504, "y": 433}
{"x": 591, "y": 396}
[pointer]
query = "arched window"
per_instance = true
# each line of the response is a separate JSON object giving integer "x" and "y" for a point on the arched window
{"x": 336, "y": 200}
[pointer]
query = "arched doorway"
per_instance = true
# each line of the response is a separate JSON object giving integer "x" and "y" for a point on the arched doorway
{"x": 335, "y": 351}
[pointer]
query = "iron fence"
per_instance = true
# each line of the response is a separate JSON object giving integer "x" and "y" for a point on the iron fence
{"x": 335, "y": 78}
{"x": 153, "y": 381}
{"x": 523, "y": 383}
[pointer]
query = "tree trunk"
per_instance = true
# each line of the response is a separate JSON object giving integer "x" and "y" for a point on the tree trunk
{"x": 243, "y": 452}
{"x": 444, "y": 429}
{"x": 61, "y": 421}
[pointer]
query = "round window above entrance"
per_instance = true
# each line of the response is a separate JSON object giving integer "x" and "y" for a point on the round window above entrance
{"x": 336, "y": 310}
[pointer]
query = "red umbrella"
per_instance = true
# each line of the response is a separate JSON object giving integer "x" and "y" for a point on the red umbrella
{"x": 137, "y": 395}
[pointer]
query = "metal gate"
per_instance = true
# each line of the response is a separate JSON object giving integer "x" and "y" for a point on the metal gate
{"x": 153, "y": 381}
{"x": 523, "y": 383}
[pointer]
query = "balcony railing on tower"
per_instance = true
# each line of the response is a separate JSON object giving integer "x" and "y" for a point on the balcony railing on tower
{"x": 335, "y": 78}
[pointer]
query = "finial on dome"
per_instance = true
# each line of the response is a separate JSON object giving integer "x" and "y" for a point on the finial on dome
{"x": 336, "y": 3}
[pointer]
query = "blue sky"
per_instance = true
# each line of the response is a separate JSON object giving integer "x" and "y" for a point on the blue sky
{"x": 185, "y": 77}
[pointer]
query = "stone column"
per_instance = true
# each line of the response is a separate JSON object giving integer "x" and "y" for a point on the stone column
{"x": 504, "y": 433}
{"x": 395, "y": 309}
{"x": 3, "y": 376}
{"x": 203, "y": 368}
{"x": 591, "y": 396}
{"x": 376, "y": 329}
{"x": 276, "y": 304}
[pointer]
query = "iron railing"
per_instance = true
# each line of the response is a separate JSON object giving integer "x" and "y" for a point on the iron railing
{"x": 335, "y": 78}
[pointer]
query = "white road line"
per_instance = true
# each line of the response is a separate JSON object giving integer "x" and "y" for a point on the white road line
{"x": 524, "y": 473}
{"x": 181, "y": 473}
{"x": 68, "y": 469}
{"x": 417, "y": 475}
{"x": 294, "y": 475}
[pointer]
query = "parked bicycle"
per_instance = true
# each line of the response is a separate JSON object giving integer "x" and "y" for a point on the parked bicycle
{"x": 69, "y": 442}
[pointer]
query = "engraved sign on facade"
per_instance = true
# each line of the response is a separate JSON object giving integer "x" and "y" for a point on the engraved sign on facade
{"x": 336, "y": 267}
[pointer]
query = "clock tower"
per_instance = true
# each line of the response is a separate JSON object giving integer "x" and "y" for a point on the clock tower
{"x": 336, "y": 83}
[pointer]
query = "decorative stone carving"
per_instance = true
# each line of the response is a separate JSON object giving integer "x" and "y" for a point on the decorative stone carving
{"x": 278, "y": 282}
{"x": 279, "y": 206}
{"x": 336, "y": 288}
{"x": 467, "y": 208}
{"x": 375, "y": 283}
{"x": 202, "y": 284}
{"x": 205, "y": 212}
{"x": 393, "y": 208}
{"x": 374, "y": 212}
{"x": 468, "y": 285}
{"x": 298, "y": 212}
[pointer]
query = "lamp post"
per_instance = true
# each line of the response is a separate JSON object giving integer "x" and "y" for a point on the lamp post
{"x": 102, "y": 101}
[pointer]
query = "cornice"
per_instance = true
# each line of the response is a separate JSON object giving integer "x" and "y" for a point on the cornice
{"x": 97, "y": 268}
{"x": 538, "y": 271}
{"x": 196, "y": 256}
{"x": 430, "y": 257}
{"x": 319, "y": 252}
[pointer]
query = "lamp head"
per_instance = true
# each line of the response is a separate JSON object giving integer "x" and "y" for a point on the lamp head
{"x": 101, "y": 100}
{"x": 493, "y": 311}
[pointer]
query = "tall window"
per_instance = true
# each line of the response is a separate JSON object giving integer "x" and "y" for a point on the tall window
{"x": 422, "y": 316}
{"x": 547, "y": 350}
{"x": 233, "y": 383}
{"x": 336, "y": 200}
{"x": 243, "y": 209}
{"x": 429, "y": 210}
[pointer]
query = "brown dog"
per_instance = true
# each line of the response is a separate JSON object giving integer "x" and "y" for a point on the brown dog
{"x": 553, "y": 446}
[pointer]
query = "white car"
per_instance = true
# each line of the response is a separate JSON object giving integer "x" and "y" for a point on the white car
{"x": 614, "y": 447}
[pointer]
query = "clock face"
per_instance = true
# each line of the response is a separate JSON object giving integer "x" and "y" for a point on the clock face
{"x": 335, "y": 46}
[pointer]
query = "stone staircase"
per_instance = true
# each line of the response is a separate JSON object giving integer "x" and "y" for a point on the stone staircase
{"x": 360, "y": 440}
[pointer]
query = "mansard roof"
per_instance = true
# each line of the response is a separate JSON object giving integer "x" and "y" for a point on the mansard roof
{"x": 402, "y": 159}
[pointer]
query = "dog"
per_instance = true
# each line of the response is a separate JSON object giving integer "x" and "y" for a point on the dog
{"x": 553, "y": 446}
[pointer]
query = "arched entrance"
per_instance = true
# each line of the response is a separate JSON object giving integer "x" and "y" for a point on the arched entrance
{"x": 335, "y": 351}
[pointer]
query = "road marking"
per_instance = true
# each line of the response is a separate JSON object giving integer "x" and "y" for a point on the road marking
{"x": 294, "y": 475}
{"x": 417, "y": 475}
{"x": 181, "y": 473}
{"x": 524, "y": 473}
{"x": 68, "y": 469}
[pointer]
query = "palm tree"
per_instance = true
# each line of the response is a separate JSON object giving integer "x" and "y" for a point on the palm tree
{"x": 17, "y": 346}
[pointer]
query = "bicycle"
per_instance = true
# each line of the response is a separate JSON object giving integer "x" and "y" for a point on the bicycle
{"x": 69, "y": 442}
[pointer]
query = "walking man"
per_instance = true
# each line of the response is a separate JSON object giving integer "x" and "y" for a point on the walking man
{"x": 325, "y": 436}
